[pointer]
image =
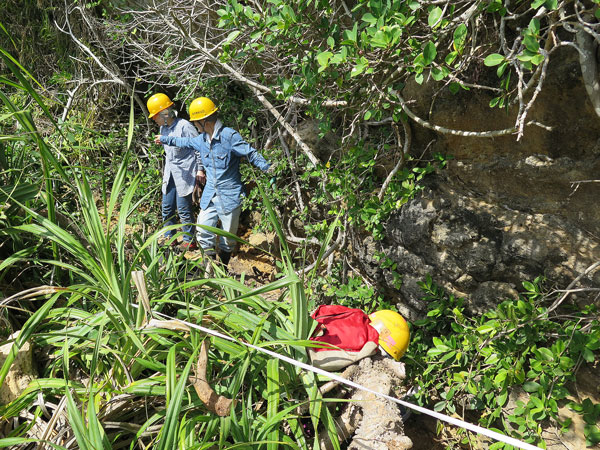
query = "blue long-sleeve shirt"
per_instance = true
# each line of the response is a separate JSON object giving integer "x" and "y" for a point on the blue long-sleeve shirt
{"x": 220, "y": 157}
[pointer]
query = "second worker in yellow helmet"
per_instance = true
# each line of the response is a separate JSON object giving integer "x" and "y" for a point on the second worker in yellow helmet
{"x": 221, "y": 149}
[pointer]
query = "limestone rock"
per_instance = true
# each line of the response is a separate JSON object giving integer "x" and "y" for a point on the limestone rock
{"x": 476, "y": 249}
{"x": 322, "y": 146}
{"x": 370, "y": 421}
{"x": 264, "y": 241}
{"x": 487, "y": 295}
{"x": 381, "y": 427}
{"x": 21, "y": 373}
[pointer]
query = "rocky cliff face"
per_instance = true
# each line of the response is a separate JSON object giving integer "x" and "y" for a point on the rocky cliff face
{"x": 504, "y": 211}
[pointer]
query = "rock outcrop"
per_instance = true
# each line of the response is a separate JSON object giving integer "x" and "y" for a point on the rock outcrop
{"x": 21, "y": 373}
{"x": 370, "y": 421}
{"x": 477, "y": 250}
{"x": 504, "y": 211}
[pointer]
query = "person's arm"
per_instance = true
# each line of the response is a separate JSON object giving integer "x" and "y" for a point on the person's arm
{"x": 177, "y": 141}
{"x": 187, "y": 133}
{"x": 194, "y": 143}
{"x": 241, "y": 148}
{"x": 191, "y": 131}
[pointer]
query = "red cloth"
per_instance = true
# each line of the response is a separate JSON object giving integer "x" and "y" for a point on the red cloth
{"x": 344, "y": 327}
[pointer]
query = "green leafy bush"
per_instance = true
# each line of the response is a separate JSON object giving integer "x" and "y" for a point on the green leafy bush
{"x": 469, "y": 365}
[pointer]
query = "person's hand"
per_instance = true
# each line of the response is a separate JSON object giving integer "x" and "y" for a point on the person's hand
{"x": 198, "y": 187}
{"x": 157, "y": 139}
{"x": 197, "y": 194}
{"x": 272, "y": 181}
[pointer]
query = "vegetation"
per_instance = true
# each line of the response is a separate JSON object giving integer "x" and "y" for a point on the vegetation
{"x": 85, "y": 281}
{"x": 101, "y": 357}
{"x": 470, "y": 363}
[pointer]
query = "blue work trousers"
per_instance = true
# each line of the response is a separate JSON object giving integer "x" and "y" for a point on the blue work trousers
{"x": 173, "y": 204}
{"x": 229, "y": 222}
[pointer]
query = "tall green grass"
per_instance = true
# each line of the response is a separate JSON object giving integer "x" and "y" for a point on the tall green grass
{"x": 126, "y": 385}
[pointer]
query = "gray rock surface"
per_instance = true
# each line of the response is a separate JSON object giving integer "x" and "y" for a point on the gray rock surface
{"x": 381, "y": 427}
{"x": 21, "y": 373}
{"x": 475, "y": 249}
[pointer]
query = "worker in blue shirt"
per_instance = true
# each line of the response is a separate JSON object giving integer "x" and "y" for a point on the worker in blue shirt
{"x": 180, "y": 171}
{"x": 221, "y": 149}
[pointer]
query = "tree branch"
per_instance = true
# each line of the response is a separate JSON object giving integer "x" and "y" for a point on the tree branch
{"x": 115, "y": 75}
{"x": 444, "y": 130}
{"x": 589, "y": 66}
{"x": 251, "y": 84}
{"x": 400, "y": 163}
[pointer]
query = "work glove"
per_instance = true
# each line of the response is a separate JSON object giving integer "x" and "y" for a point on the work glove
{"x": 272, "y": 181}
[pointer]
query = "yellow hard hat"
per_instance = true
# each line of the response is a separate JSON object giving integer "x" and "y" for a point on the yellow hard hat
{"x": 157, "y": 103}
{"x": 201, "y": 108}
{"x": 393, "y": 332}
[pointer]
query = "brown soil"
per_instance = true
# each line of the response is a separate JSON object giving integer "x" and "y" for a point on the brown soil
{"x": 421, "y": 430}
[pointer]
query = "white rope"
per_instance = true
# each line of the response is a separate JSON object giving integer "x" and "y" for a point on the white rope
{"x": 451, "y": 420}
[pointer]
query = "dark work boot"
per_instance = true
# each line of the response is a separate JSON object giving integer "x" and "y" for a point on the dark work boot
{"x": 225, "y": 257}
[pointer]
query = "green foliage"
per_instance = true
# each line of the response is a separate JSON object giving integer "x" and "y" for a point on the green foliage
{"x": 27, "y": 158}
{"x": 325, "y": 51}
{"x": 473, "y": 363}
{"x": 27, "y": 30}
{"x": 91, "y": 327}
{"x": 387, "y": 264}
{"x": 364, "y": 55}
{"x": 342, "y": 53}
{"x": 355, "y": 293}
{"x": 351, "y": 185}
{"x": 99, "y": 324}
{"x": 345, "y": 186}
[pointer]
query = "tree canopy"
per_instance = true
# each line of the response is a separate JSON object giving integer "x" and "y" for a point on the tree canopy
{"x": 344, "y": 63}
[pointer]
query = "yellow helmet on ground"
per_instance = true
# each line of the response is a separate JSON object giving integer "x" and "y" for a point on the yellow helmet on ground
{"x": 393, "y": 332}
{"x": 201, "y": 108}
{"x": 157, "y": 103}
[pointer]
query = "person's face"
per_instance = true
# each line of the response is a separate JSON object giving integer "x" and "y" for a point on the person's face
{"x": 161, "y": 118}
{"x": 199, "y": 124}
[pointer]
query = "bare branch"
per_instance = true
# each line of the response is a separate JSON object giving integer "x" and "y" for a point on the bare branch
{"x": 424, "y": 123}
{"x": 114, "y": 73}
{"x": 569, "y": 288}
{"x": 589, "y": 66}
{"x": 252, "y": 85}
{"x": 401, "y": 161}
